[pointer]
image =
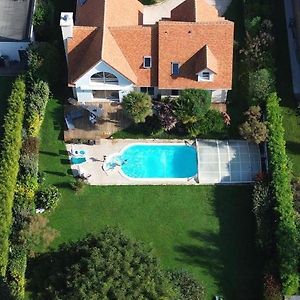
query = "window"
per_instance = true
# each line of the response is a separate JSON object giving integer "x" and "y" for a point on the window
{"x": 147, "y": 62}
{"x": 104, "y": 77}
{"x": 174, "y": 92}
{"x": 147, "y": 90}
{"x": 175, "y": 68}
{"x": 205, "y": 75}
{"x": 82, "y": 2}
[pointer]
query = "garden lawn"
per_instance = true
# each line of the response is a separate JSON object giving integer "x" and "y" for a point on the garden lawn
{"x": 207, "y": 230}
{"x": 5, "y": 89}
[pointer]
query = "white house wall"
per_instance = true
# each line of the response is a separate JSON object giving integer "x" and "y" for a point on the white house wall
{"x": 84, "y": 87}
{"x": 11, "y": 49}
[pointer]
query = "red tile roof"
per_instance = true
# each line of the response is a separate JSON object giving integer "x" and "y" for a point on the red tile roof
{"x": 111, "y": 30}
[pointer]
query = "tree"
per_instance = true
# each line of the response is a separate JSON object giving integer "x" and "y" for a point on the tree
{"x": 138, "y": 106}
{"x": 187, "y": 287}
{"x": 191, "y": 105}
{"x": 261, "y": 84}
{"x": 105, "y": 266}
{"x": 253, "y": 129}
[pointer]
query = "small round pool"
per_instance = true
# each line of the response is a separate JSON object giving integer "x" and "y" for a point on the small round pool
{"x": 159, "y": 161}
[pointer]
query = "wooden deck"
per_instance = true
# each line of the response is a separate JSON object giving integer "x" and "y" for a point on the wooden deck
{"x": 113, "y": 120}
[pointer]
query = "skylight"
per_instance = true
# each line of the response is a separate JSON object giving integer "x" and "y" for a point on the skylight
{"x": 82, "y": 2}
{"x": 175, "y": 68}
{"x": 147, "y": 62}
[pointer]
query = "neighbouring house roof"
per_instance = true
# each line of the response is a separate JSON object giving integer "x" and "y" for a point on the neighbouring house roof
{"x": 15, "y": 20}
{"x": 194, "y": 36}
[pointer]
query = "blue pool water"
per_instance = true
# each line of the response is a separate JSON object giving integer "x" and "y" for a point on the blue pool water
{"x": 77, "y": 160}
{"x": 159, "y": 161}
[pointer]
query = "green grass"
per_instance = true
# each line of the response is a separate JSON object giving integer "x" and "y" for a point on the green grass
{"x": 5, "y": 89}
{"x": 207, "y": 230}
{"x": 291, "y": 118}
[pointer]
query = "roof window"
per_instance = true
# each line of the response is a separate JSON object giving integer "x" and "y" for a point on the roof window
{"x": 82, "y": 2}
{"x": 147, "y": 62}
{"x": 175, "y": 68}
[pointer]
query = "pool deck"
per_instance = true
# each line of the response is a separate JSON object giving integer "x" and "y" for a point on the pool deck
{"x": 95, "y": 159}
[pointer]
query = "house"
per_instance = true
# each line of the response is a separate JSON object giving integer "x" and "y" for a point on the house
{"x": 16, "y": 30}
{"x": 117, "y": 46}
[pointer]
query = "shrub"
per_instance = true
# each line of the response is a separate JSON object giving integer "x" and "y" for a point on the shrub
{"x": 48, "y": 197}
{"x": 30, "y": 145}
{"x": 78, "y": 185}
{"x": 43, "y": 14}
{"x": 257, "y": 52}
{"x": 165, "y": 113}
{"x": 253, "y": 129}
{"x": 272, "y": 289}
{"x": 286, "y": 232}
{"x": 138, "y": 106}
{"x": 192, "y": 105}
{"x": 261, "y": 84}
{"x": 188, "y": 288}
{"x": 211, "y": 122}
{"x": 29, "y": 164}
{"x": 9, "y": 158}
{"x": 252, "y": 25}
{"x": 263, "y": 209}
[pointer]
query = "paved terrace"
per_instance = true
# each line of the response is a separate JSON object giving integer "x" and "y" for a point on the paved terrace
{"x": 156, "y": 12}
{"x": 15, "y": 18}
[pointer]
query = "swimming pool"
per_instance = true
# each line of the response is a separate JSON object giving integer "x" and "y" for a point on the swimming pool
{"x": 157, "y": 161}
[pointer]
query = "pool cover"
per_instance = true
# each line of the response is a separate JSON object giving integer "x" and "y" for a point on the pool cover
{"x": 229, "y": 161}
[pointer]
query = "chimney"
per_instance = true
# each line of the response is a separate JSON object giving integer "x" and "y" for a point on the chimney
{"x": 67, "y": 26}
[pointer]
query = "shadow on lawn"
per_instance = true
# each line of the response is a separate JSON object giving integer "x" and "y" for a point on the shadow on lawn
{"x": 229, "y": 256}
{"x": 293, "y": 147}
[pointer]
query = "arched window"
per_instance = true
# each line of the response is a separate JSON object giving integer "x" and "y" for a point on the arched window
{"x": 104, "y": 77}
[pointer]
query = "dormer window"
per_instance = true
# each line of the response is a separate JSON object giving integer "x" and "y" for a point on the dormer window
{"x": 205, "y": 75}
{"x": 147, "y": 62}
{"x": 175, "y": 68}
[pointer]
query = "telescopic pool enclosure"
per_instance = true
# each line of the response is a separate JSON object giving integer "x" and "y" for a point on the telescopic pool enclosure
{"x": 227, "y": 162}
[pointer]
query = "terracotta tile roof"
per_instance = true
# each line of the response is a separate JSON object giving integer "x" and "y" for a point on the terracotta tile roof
{"x": 206, "y": 60}
{"x": 180, "y": 42}
{"x": 136, "y": 42}
{"x": 195, "y": 37}
{"x": 109, "y": 12}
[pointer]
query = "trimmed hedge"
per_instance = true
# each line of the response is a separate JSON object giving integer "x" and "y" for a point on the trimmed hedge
{"x": 9, "y": 158}
{"x": 286, "y": 232}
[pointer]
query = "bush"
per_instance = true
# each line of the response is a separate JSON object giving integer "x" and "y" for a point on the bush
{"x": 78, "y": 185}
{"x": 252, "y": 25}
{"x": 48, "y": 197}
{"x": 261, "y": 84}
{"x": 165, "y": 113}
{"x": 263, "y": 209}
{"x": 211, "y": 122}
{"x": 192, "y": 105}
{"x": 9, "y": 158}
{"x": 257, "y": 52}
{"x": 29, "y": 164}
{"x": 138, "y": 106}
{"x": 271, "y": 288}
{"x": 188, "y": 288}
{"x": 37, "y": 101}
{"x": 30, "y": 145}
{"x": 253, "y": 129}
{"x": 287, "y": 241}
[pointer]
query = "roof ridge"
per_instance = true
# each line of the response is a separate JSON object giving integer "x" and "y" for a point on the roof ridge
{"x": 196, "y": 23}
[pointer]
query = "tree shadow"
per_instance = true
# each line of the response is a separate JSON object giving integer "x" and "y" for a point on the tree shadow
{"x": 293, "y": 147}
{"x": 55, "y": 173}
{"x": 229, "y": 256}
{"x": 49, "y": 153}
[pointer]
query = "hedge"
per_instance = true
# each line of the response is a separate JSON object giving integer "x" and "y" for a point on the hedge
{"x": 9, "y": 157}
{"x": 286, "y": 231}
